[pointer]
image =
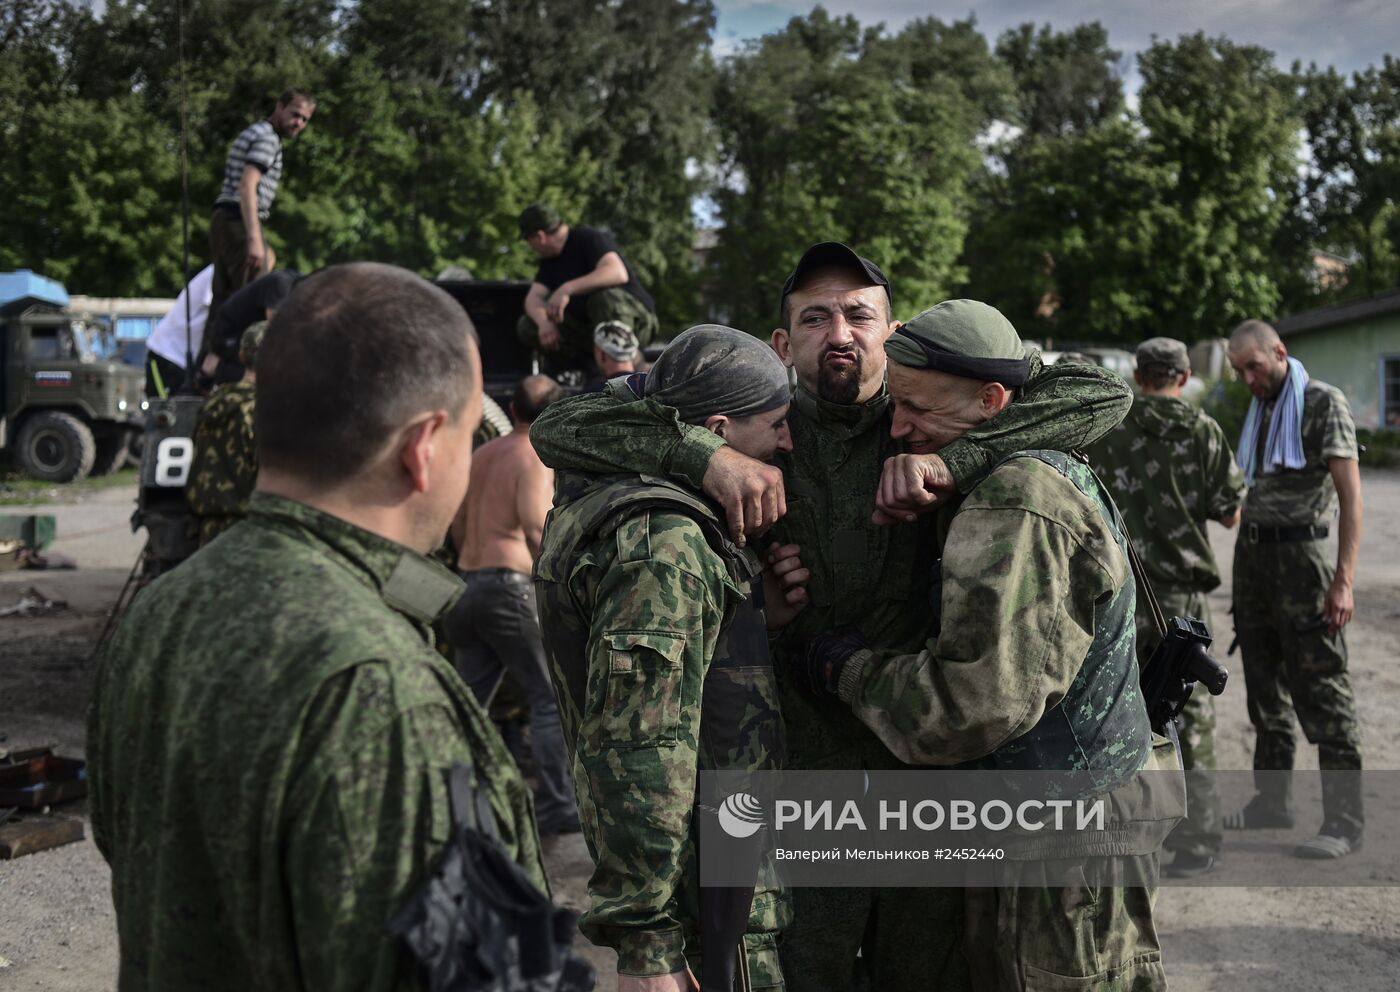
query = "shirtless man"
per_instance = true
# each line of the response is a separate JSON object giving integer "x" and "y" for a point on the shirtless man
{"x": 493, "y": 626}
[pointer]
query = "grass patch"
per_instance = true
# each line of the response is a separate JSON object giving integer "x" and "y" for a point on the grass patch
{"x": 18, "y": 489}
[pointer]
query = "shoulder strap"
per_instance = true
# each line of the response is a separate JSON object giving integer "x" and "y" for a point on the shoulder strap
{"x": 1154, "y": 608}
{"x": 471, "y": 808}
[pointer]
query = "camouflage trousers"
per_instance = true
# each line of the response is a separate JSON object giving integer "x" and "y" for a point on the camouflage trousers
{"x": 576, "y": 348}
{"x": 908, "y": 940}
{"x": 1293, "y": 665}
{"x": 1049, "y": 928}
{"x": 1200, "y": 833}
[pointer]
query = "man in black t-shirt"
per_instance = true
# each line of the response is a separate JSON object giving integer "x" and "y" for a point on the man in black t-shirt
{"x": 254, "y": 302}
{"x": 582, "y": 281}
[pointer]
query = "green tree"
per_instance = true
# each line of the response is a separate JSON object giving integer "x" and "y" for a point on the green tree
{"x": 1218, "y": 115}
{"x": 1067, "y": 82}
{"x": 1353, "y": 132}
{"x": 831, "y": 132}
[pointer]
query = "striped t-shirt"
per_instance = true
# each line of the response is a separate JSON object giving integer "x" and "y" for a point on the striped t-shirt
{"x": 258, "y": 145}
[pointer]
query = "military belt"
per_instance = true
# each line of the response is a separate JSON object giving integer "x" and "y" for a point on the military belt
{"x": 1255, "y": 534}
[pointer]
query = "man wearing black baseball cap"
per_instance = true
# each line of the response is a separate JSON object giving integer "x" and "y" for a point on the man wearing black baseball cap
{"x": 836, "y": 312}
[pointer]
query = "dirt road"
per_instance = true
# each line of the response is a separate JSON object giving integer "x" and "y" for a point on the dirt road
{"x": 57, "y": 929}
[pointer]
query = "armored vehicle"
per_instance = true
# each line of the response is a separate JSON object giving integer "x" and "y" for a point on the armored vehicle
{"x": 64, "y": 412}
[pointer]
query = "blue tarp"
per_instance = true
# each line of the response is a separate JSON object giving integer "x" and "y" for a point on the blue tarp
{"x": 22, "y": 282}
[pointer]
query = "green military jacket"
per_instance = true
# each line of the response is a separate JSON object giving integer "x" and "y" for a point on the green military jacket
{"x": 1305, "y": 496}
{"x": 1031, "y": 664}
{"x": 661, "y": 664}
{"x": 1170, "y": 469}
{"x": 267, "y": 748}
{"x": 225, "y": 466}
{"x": 878, "y": 577}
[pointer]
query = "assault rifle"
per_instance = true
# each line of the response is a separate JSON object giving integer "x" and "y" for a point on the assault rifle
{"x": 478, "y": 924}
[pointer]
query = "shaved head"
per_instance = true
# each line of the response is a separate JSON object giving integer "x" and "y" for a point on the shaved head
{"x": 532, "y": 395}
{"x": 1259, "y": 357}
{"x": 1253, "y": 332}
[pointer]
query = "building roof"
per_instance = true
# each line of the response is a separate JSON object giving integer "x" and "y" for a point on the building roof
{"x": 1340, "y": 313}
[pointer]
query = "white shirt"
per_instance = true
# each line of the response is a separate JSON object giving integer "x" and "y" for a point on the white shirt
{"x": 168, "y": 338}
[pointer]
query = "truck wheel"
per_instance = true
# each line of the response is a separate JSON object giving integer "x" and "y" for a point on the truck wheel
{"x": 111, "y": 453}
{"x": 56, "y": 447}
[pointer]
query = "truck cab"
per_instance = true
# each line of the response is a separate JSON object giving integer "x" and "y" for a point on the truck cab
{"x": 65, "y": 413}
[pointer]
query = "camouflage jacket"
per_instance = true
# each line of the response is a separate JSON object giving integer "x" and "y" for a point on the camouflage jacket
{"x": 267, "y": 748}
{"x": 225, "y": 466}
{"x": 877, "y": 577}
{"x": 1300, "y": 497}
{"x": 660, "y": 661}
{"x": 1031, "y": 665}
{"x": 1170, "y": 469}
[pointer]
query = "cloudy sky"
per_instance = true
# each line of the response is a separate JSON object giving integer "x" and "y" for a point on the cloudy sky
{"x": 1348, "y": 34}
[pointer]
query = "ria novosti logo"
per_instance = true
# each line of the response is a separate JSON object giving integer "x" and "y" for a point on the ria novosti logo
{"x": 741, "y": 815}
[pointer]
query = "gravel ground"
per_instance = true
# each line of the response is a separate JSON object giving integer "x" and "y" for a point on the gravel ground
{"x": 57, "y": 930}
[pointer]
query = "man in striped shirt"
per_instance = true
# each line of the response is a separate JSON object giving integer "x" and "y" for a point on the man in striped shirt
{"x": 254, "y": 167}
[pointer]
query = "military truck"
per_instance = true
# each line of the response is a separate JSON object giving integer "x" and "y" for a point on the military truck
{"x": 64, "y": 413}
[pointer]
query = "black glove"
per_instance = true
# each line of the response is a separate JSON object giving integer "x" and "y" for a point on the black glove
{"x": 826, "y": 655}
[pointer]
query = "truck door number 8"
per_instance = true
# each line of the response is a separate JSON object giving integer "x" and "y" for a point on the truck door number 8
{"x": 173, "y": 457}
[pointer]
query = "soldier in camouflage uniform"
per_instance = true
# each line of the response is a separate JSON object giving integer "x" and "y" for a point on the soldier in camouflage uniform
{"x": 270, "y": 728}
{"x": 1291, "y": 603}
{"x": 225, "y": 465}
{"x": 656, "y": 634}
{"x": 1170, "y": 469}
{"x": 1030, "y": 666}
{"x": 836, "y": 314}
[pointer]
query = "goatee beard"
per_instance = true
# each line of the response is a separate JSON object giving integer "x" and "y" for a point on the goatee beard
{"x": 840, "y": 386}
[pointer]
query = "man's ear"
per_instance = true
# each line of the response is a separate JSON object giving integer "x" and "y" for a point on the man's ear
{"x": 781, "y": 343}
{"x": 993, "y": 398}
{"x": 718, "y": 424}
{"x": 418, "y": 445}
{"x": 1185, "y": 378}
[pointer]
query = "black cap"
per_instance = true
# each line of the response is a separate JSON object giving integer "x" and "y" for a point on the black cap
{"x": 831, "y": 254}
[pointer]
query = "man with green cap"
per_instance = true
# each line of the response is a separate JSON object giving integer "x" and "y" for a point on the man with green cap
{"x": 582, "y": 281}
{"x": 1170, "y": 469}
{"x": 836, "y": 313}
{"x": 1030, "y": 665}
{"x": 655, "y": 629}
{"x": 225, "y": 465}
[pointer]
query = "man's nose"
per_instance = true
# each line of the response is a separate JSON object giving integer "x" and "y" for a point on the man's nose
{"x": 784, "y": 439}
{"x": 899, "y": 425}
{"x": 840, "y": 333}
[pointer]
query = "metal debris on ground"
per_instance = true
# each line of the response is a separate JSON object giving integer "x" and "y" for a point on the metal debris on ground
{"x": 33, "y": 603}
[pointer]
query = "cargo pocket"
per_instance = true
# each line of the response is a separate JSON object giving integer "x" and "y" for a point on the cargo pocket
{"x": 642, "y": 707}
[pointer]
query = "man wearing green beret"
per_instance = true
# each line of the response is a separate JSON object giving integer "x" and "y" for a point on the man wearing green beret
{"x": 1030, "y": 665}
{"x": 835, "y": 315}
{"x": 225, "y": 464}
{"x": 583, "y": 281}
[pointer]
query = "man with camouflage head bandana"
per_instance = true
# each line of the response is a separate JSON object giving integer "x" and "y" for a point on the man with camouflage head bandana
{"x": 225, "y": 465}
{"x": 1170, "y": 469}
{"x": 1030, "y": 666}
{"x": 655, "y": 628}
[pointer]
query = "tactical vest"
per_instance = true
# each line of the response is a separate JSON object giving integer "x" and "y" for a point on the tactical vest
{"x": 740, "y": 723}
{"x": 1101, "y": 726}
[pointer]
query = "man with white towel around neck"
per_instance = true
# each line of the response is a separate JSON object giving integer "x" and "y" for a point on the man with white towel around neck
{"x": 1299, "y": 456}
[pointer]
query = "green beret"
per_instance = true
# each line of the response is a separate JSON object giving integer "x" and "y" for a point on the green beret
{"x": 538, "y": 217}
{"x": 963, "y": 338}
